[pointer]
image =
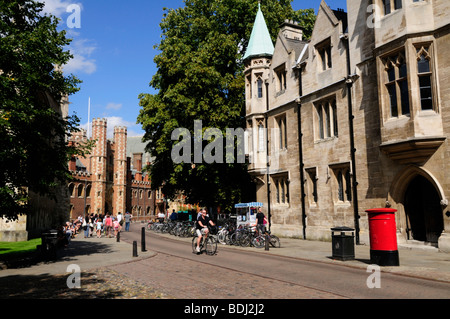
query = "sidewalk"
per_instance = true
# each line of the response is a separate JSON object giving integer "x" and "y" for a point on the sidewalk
{"x": 87, "y": 253}
{"x": 101, "y": 252}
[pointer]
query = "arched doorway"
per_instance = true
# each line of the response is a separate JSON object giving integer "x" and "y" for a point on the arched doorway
{"x": 423, "y": 210}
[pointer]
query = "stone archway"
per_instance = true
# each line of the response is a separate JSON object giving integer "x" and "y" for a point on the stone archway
{"x": 423, "y": 211}
{"x": 418, "y": 196}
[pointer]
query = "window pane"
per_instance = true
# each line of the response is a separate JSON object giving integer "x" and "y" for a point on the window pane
{"x": 425, "y": 82}
{"x": 329, "y": 57}
{"x": 402, "y": 70}
{"x": 404, "y": 96}
{"x": 335, "y": 122}
{"x": 315, "y": 189}
{"x": 423, "y": 65}
{"x": 425, "y": 92}
{"x": 277, "y": 187}
{"x": 320, "y": 116}
{"x": 280, "y": 132}
{"x": 427, "y": 104}
{"x": 348, "y": 188}
{"x": 391, "y": 74}
{"x": 393, "y": 100}
{"x": 327, "y": 119}
{"x": 260, "y": 88}
{"x": 323, "y": 58}
{"x": 398, "y": 4}
{"x": 387, "y": 6}
{"x": 340, "y": 186}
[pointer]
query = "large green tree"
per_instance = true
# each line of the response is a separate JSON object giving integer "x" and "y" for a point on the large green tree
{"x": 200, "y": 77}
{"x": 33, "y": 150}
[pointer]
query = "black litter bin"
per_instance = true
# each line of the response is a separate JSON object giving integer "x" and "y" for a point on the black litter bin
{"x": 343, "y": 243}
{"x": 49, "y": 244}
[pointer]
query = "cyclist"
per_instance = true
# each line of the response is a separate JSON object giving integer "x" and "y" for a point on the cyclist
{"x": 202, "y": 227}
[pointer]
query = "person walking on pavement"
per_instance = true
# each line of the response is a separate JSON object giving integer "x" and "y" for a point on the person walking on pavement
{"x": 85, "y": 226}
{"x": 261, "y": 221}
{"x": 99, "y": 228}
{"x": 127, "y": 219}
{"x": 108, "y": 225}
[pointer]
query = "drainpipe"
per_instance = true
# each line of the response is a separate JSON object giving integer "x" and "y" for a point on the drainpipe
{"x": 300, "y": 151}
{"x": 267, "y": 157}
{"x": 349, "y": 82}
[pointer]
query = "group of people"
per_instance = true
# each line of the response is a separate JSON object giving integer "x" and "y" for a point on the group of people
{"x": 97, "y": 224}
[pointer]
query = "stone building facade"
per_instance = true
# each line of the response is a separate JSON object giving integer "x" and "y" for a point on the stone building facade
{"x": 355, "y": 118}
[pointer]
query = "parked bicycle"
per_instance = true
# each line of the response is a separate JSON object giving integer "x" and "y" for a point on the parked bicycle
{"x": 260, "y": 241}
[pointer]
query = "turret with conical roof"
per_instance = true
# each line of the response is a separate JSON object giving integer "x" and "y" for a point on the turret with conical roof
{"x": 260, "y": 43}
{"x": 257, "y": 61}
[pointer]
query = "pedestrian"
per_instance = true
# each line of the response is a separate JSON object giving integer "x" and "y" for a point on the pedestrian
{"x": 68, "y": 231}
{"x": 85, "y": 226}
{"x": 99, "y": 227}
{"x": 127, "y": 221}
{"x": 117, "y": 227}
{"x": 161, "y": 217}
{"x": 108, "y": 225}
{"x": 173, "y": 216}
{"x": 261, "y": 221}
{"x": 120, "y": 218}
{"x": 91, "y": 225}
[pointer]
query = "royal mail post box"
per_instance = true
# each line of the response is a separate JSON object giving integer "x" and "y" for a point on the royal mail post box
{"x": 383, "y": 237}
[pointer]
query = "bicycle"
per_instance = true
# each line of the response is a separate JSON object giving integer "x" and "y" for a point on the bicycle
{"x": 210, "y": 246}
{"x": 260, "y": 241}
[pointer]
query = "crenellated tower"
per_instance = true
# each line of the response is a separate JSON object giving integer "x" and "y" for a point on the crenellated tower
{"x": 120, "y": 170}
{"x": 98, "y": 164}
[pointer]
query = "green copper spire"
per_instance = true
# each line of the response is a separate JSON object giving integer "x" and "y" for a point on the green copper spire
{"x": 260, "y": 43}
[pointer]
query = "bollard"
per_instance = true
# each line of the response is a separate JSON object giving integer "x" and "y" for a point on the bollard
{"x": 143, "y": 239}
{"x": 267, "y": 242}
{"x": 135, "y": 254}
{"x": 118, "y": 237}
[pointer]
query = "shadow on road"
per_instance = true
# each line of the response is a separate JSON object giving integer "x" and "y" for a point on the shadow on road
{"x": 74, "y": 249}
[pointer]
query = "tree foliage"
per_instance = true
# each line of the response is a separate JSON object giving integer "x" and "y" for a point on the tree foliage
{"x": 200, "y": 77}
{"x": 33, "y": 149}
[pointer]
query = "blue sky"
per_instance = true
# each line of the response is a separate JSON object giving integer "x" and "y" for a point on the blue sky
{"x": 113, "y": 54}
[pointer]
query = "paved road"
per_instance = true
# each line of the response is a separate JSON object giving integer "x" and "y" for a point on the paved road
{"x": 242, "y": 274}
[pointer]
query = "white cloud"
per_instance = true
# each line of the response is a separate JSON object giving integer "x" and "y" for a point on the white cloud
{"x": 80, "y": 63}
{"x": 81, "y": 49}
{"x": 58, "y": 7}
{"x": 113, "y": 106}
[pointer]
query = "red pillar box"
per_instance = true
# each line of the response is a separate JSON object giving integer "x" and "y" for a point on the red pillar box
{"x": 383, "y": 237}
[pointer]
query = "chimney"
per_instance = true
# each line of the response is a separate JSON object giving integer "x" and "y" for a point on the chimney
{"x": 291, "y": 30}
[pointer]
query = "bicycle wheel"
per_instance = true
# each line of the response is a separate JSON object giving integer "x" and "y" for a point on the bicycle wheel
{"x": 259, "y": 242}
{"x": 274, "y": 241}
{"x": 233, "y": 239}
{"x": 211, "y": 246}
{"x": 221, "y": 236}
{"x": 244, "y": 241}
